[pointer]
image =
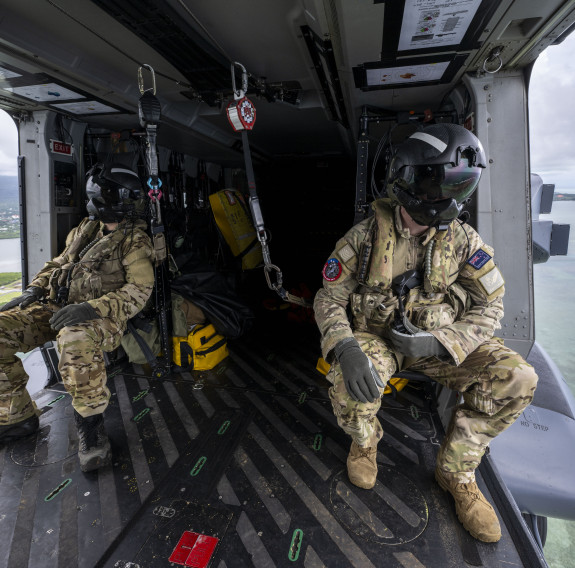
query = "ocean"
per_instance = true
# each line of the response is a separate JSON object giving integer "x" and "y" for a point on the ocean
{"x": 554, "y": 305}
{"x": 10, "y": 255}
{"x": 554, "y": 317}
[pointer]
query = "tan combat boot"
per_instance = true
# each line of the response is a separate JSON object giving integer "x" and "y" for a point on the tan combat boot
{"x": 362, "y": 466}
{"x": 473, "y": 510}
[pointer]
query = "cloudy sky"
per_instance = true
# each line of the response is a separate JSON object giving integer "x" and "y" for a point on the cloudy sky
{"x": 552, "y": 120}
{"x": 8, "y": 145}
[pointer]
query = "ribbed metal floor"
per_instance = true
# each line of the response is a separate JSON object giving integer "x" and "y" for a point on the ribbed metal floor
{"x": 249, "y": 455}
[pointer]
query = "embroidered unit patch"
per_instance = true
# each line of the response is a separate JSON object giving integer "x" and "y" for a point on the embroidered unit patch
{"x": 332, "y": 270}
{"x": 492, "y": 281}
{"x": 479, "y": 259}
{"x": 346, "y": 252}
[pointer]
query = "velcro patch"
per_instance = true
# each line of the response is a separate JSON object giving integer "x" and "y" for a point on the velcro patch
{"x": 492, "y": 281}
{"x": 346, "y": 252}
{"x": 332, "y": 270}
{"x": 479, "y": 259}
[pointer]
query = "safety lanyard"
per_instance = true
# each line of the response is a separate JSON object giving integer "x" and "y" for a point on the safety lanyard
{"x": 242, "y": 116}
{"x": 149, "y": 111}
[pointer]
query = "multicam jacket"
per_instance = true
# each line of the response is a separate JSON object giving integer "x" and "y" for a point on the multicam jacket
{"x": 459, "y": 300}
{"x": 114, "y": 273}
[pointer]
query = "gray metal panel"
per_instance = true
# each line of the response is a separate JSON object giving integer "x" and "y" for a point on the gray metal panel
{"x": 503, "y": 200}
{"x": 536, "y": 456}
{"x": 560, "y": 239}
{"x": 547, "y": 192}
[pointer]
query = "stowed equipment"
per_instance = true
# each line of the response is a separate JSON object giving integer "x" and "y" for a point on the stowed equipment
{"x": 242, "y": 116}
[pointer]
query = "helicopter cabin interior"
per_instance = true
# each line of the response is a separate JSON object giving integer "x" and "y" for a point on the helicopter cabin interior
{"x": 243, "y": 464}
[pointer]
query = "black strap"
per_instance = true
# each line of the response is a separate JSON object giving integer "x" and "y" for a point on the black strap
{"x": 150, "y": 357}
{"x": 187, "y": 351}
{"x": 212, "y": 348}
{"x": 361, "y": 205}
{"x": 149, "y": 110}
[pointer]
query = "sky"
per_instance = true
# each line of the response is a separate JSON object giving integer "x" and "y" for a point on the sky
{"x": 551, "y": 118}
{"x": 8, "y": 146}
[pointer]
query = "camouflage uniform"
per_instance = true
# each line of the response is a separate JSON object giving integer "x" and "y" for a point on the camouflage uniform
{"x": 459, "y": 302}
{"x": 114, "y": 274}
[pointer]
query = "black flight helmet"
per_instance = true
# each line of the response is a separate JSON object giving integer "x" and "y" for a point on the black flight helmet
{"x": 114, "y": 193}
{"x": 434, "y": 172}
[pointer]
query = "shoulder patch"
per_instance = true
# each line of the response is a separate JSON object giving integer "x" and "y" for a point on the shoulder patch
{"x": 492, "y": 281}
{"x": 479, "y": 259}
{"x": 346, "y": 252}
{"x": 332, "y": 270}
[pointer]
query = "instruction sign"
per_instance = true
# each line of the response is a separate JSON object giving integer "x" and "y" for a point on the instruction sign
{"x": 435, "y": 23}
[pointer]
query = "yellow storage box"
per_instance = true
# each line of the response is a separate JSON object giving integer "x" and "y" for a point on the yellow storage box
{"x": 201, "y": 350}
{"x": 234, "y": 221}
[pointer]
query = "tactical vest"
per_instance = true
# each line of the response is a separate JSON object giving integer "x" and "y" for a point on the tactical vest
{"x": 94, "y": 265}
{"x": 381, "y": 239}
{"x": 435, "y": 304}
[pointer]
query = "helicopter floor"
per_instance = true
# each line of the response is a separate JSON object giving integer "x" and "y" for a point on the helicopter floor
{"x": 243, "y": 465}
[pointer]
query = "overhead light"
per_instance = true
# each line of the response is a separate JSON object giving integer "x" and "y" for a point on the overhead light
{"x": 85, "y": 107}
{"x": 7, "y": 74}
{"x": 46, "y": 92}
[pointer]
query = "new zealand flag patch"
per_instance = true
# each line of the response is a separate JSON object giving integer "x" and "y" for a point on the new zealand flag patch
{"x": 332, "y": 270}
{"x": 479, "y": 259}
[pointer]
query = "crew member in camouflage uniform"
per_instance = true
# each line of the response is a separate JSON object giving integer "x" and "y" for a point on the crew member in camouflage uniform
{"x": 424, "y": 294}
{"x": 83, "y": 299}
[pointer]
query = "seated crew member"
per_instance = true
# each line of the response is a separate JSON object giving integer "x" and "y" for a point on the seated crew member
{"x": 83, "y": 299}
{"x": 445, "y": 329}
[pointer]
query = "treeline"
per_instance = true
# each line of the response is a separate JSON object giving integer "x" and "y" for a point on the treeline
{"x": 10, "y": 278}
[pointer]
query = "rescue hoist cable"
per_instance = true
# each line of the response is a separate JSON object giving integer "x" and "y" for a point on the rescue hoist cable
{"x": 149, "y": 111}
{"x": 242, "y": 117}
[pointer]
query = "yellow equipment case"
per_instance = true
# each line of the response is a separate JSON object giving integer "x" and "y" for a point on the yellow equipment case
{"x": 234, "y": 221}
{"x": 201, "y": 350}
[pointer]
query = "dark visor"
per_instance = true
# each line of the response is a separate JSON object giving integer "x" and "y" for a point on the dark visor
{"x": 442, "y": 181}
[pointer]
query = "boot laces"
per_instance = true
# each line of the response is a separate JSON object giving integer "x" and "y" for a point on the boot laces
{"x": 471, "y": 491}
{"x": 363, "y": 453}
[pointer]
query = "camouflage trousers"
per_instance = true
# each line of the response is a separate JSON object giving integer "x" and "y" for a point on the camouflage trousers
{"x": 496, "y": 384}
{"x": 81, "y": 363}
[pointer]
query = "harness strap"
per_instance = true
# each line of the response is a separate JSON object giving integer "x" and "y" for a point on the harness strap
{"x": 149, "y": 110}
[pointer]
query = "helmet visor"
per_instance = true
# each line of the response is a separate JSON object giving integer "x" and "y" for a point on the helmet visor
{"x": 441, "y": 181}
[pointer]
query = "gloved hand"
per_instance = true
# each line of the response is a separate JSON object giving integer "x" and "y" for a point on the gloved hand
{"x": 420, "y": 344}
{"x": 359, "y": 375}
{"x": 29, "y": 296}
{"x": 72, "y": 314}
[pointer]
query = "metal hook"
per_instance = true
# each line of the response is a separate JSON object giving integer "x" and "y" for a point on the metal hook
{"x": 239, "y": 93}
{"x": 141, "y": 79}
{"x": 495, "y": 54}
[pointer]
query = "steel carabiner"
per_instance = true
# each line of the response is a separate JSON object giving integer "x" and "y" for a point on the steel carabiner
{"x": 239, "y": 93}
{"x": 141, "y": 79}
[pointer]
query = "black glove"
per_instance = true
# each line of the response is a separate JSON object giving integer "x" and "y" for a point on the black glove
{"x": 29, "y": 296}
{"x": 74, "y": 313}
{"x": 420, "y": 344}
{"x": 359, "y": 375}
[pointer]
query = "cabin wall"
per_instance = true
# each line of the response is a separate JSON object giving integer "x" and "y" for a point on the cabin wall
{"x": 51, "y": 154}
{"x": 504, "y": 196}
{"x": 307, "y": 203}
